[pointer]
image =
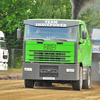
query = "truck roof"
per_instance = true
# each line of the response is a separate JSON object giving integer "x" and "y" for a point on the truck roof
{"x": 61, "y": 22}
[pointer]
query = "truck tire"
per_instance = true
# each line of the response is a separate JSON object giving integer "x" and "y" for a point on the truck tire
{"x": 29, "y": 83}
{"x": 87, "y": 83}
{"x": 77, "y": 85}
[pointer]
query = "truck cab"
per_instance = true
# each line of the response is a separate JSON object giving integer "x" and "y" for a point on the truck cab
{"x": 95, "y": 38}
{"x": 56, "y": 50}
{"x": 3, "y": 53}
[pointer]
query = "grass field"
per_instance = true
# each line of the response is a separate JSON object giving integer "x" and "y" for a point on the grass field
{"x": 12, "y": 70}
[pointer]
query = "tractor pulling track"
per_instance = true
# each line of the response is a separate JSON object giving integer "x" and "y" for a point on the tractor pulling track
{"x": 15, "y": 90}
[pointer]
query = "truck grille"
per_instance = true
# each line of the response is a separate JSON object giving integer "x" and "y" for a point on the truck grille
{"x": 54, "y": 56}
{"x": 48, "y": 71}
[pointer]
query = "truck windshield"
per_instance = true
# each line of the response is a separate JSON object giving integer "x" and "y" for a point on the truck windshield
{"x": 2, "y": 45}
{"x": 96, "y": 34}
{"x": 50, "y": 33}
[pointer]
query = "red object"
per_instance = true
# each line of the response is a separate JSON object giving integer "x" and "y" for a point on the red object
{"x": 90, "y": 35}
{"x": 92, "y": 41}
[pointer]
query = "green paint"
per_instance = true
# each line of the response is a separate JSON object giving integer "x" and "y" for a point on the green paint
{"x": 53, "y": 52}
{"x": 85, "y": 49}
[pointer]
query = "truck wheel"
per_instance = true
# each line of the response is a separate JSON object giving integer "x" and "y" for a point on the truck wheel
{"x": 29, "y": 83}
{"x": 87, "y": 83}
{"x": 77, "y": 85}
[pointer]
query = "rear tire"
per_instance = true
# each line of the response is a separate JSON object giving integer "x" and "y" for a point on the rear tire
{"x": 77, "y": 85}
{"x": 87, "y": 83}
{"x": 29, "y": 83}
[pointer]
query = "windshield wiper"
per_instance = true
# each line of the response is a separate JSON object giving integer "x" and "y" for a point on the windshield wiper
{"x": 60, "y": 39}
{"x": 37, "y": 39}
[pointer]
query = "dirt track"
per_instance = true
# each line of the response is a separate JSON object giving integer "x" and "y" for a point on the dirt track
{"x": 10, "y": 75}
{"x": 15, "y": 90}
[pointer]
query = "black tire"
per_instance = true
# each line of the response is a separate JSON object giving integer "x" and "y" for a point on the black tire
{"x": 38, "y": 83}
{"x": 87, "y": 83}
{"x": 29, "y": 83}
{"x": 77, "y": 85}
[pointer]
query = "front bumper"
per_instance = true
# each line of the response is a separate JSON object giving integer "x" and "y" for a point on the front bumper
{"x": 35, "y": 73}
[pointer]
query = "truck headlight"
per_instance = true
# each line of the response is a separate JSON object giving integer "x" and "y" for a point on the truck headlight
{"x": 27, "y": 69}
{"x": 70, "y": 70}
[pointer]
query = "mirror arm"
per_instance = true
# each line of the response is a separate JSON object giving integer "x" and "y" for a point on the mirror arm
{"x": 19, "y": 24}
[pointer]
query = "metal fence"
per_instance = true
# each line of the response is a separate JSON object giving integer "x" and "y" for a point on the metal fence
{"x": 16, "y": 58}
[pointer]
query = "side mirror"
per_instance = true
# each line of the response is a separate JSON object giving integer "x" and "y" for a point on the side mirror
{"x": 18, "y": 33}
{"x": 84, "y": 34}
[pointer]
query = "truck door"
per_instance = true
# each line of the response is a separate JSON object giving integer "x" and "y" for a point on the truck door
{"x": 80, "y": 46}
{"x": 86, "y": 48}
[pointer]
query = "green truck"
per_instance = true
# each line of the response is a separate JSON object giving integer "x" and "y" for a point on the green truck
{"x": 56, "y": 51}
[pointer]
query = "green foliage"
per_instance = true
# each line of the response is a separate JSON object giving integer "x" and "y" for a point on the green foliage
{"x": 18, "y": 58}
{"x": 11, "y": 13}
{"x": 91, "y": 16}
{"x": 55, "y": 9}
{"x": 18, "y": 62}
{"x": 12, "y": 70}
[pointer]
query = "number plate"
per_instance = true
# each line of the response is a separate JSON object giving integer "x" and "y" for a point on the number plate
{"x": 48, "y": 78}
{"x": 5, "y": 52}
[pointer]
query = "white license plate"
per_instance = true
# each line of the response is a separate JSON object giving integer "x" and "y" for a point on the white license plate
{"x": 5, "y": 52}
{"x": 48, "y": 78}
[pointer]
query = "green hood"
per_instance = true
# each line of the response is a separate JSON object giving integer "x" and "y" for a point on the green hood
{"x": 50, "y": 52}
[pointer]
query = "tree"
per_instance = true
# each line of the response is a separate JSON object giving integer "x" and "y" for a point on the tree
{"x": 11, "y": 13}
{"x": 91, "y": 16}
{"x": 55, "y": 9}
